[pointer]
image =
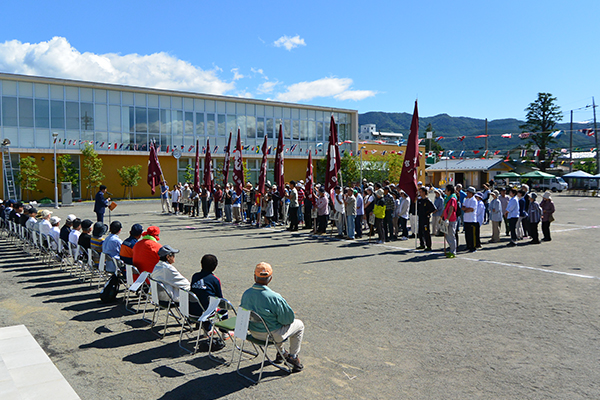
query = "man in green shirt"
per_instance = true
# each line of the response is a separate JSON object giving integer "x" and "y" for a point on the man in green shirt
{"x": 276, "y": 313}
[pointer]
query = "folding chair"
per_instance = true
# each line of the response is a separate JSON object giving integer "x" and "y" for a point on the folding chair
{"x": 227, "y": 325}
{"x": 103, "y": 274}
{"x": 244, "y": 317}
{"x": 135, "y": 287}
{"x": 169, "y": 305}
{"x": 185, "y": 298}
{"x": 53, "y": 251}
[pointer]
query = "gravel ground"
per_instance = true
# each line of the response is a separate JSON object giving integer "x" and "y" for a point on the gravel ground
{"x": 381, "y": 321}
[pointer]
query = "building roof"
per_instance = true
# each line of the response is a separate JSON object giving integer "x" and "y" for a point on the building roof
{"x": 474, "y": 164}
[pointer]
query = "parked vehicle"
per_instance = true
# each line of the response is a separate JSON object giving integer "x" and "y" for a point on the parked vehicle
{"x": 557, "y": 184}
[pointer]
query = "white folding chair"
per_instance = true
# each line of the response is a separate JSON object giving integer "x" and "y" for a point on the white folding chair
{"x": 156, "y": 288}
{"x": 136, "y": 287}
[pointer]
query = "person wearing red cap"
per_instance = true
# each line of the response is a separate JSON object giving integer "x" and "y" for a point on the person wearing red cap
{"x": 145, "y": 251}
{"x": 276, "y": 313}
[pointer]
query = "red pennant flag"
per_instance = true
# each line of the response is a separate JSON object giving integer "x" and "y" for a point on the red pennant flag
{"x": 226, "y": 162}
{"x": 279, "y": 171}
{"x": 197, "y": 169}
{"x": 262, "y": 178}
{"x": 461, "y": 138}
{"x": 308, "y": 185}
{"x": 154, "y": 170}
{"x": 475, "y": 151}
{"x": 238, "y": 172}
{"x": 506, "y": 135}
{"x": 480, "y": 136}
{"x": 497, "y": 152}
{"x": 208, "y": 175}
{"x": 333, "y": 158}
{"x": 408, "y": 176}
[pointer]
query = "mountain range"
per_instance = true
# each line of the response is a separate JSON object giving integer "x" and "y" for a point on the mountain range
{"x": 451, "y": 128}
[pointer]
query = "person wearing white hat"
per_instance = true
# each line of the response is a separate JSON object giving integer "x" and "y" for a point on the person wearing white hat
{"x": 547, "y": 206}
{"x": 55, "y": 231}
{"x": 66, "y": 228}
{"x": 469, "y": 208}
{"x": 44, "y": 224}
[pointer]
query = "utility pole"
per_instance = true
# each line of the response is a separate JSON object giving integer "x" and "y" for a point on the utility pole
{"x": 571, "y": 145}
{"x": 596, "y": 137}
{"x": 486, "y": 137}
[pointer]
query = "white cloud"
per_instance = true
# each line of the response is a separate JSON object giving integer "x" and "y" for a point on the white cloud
{"x": 338, "y": 88}
{"x": 289, "y": 42}
{"x": 244, "y": 93}
{"x": 57, "y": 58}
{"x": 267, "y": 87}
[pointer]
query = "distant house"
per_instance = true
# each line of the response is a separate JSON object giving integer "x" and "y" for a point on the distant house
{"x": 369, "y": 132}
{"x": 468, "y": 172}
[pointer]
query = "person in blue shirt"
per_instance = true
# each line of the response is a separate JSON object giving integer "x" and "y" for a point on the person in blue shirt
{"x": 205, "y": 284}
{"x": 277, "y": 314}
{"x": 101, "y": 203}
{"x": 112, "y": 245}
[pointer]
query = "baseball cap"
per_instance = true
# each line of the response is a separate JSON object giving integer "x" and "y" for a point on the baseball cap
{"x": 54, "y": 220}
{"x": 71, "y": 217}
{"x": 86, "y": 224}
{"x": 263, "y": 270}
{"x": 45, "y": 213}
{"x": 479, "y": 195}
{"x": 166, "y": 250}
{"x": 136, "y": 229}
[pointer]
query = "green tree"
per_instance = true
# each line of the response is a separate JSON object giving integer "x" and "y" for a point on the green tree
{"x": 350, "y": 167}
{"x": 189, "y": 173}
{"x": 28, "y": 176}
{"x": 66, "y": 170}
{"x": 542, "y": 116}
{"x": 245, "y": 170}
{"x": 93, "y": 168}
{"x": 130, "y": 176}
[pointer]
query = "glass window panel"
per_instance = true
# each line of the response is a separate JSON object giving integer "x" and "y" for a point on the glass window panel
{"x": 312, "y": 115}
{"x": 72, "y": 109}
{"x": 165, "y": 101}
{"x": 177, "y": 117}
{"x": 141, "y": 119}
{"x": 189, "y": 123}
{"x": 269, "y": 127}
{"x": 87, "y": 117}
{"x": 221, "y": 124}
{"x": 251, "y": 126}
{"x": 188, "y": 103}
{"x": 296, "y": 130}
{"x": 57, "y": 92}
{"x": 114, "y": 97}
{"x": 165, "y": 121}
{"x": 241, "y": 108}
{"x": 41, "y": 90}
{"x": 153, "y": 100}
{"x": 126, "y": 120}
{"x": 269, "y": 111}
{"x": 42, "y": 139}
{"x": 140, "y": 99}
{"x": 11, "y": 133}
{"x": 114, "y": 118}
{"x": 72, "y": 93}
{"x": 100, "y": 95}
{"x": 319, "y": 131}
{"x": 221, "y": 107}
{"x": 57, "y": 114}
{"x": 101, "y": 118}
{"x": 241, "y": 124}
{"x": 127, "y": 98}
{"x": 42, "y": 113}
{"x": 25, "y": 89}
{"x": 153, "y": 120}
{"x": 26, "y": 113}
{"x": 210, "y": 106}
{"x": 154, "y": 138}
{"x": 26, "y": 138}
{"x": 200, "y": 124}
{"x": 295, "y": 113}
{"x": 303, "y": 130}
{"x": 198, "y": 105}
{"x": 116, "y": 138}
{"x": 9, "y": 111}
{"x": 260, "y": 128}
{"x": 165, "y": 141}
{"x": 260, "y": 110}
{"x": 312, "y": 131}
{"x": 342, "y": 132}
{"x": 177, "y": 102}
{"x": 86, "y": 94}
{"x": 287, "y": 113}
{"x": 287, "y": 129}
{"x": 303, "y": 114}
{"x": 141, "y": 140}
{"x": 9, "y": 88}
{"x": 232, "y": 124}
{"x": 326, "y": 127}
{"x": 230, "y": 107}
{"x": 102, "y": 139}
{"x": 250, "y": 109}
{"x": 210, "y": 125}
{"x": 278, "y": 112}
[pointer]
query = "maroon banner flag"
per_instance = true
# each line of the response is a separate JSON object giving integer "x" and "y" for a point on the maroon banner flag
{"x": 408, "y": 176}
{"x": 279, "y": 173}
{"x": 238, "y": 166}
{"x": 262, "y": 178}
{"x": 308, "y": 185}
{"x": 154, "y": 170}
{"x": 208, "y": 175}
{"x": 333, "y": 158}
{"x": 226, "y": 162}
{"x": 197, "y": 169}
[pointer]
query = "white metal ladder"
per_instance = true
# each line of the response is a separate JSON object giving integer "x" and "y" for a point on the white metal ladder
{"x": 10, "y": 191}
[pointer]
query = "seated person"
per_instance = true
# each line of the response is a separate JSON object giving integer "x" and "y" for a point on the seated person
{"x": 85, "y": 237}
{"x": 66, "y": 228}
{"x": 204, "y": 285}
{"x": 165, "y": 272}
{"x": 32, "y": 221}
{"x": 126, "y": 253}
{"x": 111, "y": 246}
{"x": 75, "y": 232}
{"x": 96, "y": 241}
{"x": 277, "y": 314}
{"x": 145, "y": 251}
{"x": 55, "y": 233}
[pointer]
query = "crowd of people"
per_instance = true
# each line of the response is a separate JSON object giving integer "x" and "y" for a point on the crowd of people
{"x": 377, "y": 208}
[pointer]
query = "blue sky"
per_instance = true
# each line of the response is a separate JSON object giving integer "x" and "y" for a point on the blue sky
{"x": 464, "y": 58}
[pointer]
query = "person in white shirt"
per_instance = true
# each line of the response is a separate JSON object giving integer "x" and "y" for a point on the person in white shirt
{"x": 403, "y": 214}
{"x": 469, "y": 208}
{"x": 44, "y": 225}
{"x": 512, "y": 215}
{"x": 340, "y": 215}
{"x": 175, "y": 195}
{"x": 30, "y": 224}
{"x": 55, "y": 233}
{"x": 480, "y": 218}
{"x": 75, "y": 232}
{"x": 166, "y": 273}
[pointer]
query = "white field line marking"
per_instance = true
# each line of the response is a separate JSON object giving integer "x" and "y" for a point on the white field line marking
{"x": 574, "y": 229}
{"x": 531, "y": 268}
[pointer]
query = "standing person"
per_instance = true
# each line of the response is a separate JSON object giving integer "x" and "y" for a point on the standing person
{"x": 461, "y": 196}
{"x": 390, "y": 206}
{"x": 535, "y": 215}
{"x": 164, "y": 197}
{"x": 186, "y": 199}
{"x": 396, "y": 213}
{"x": 449, "y": 214}
{"x": 322, "y": 211}
{"x": 369, "y": 206}
{"x": 504, "y": 202}
{"x": 485, "y": 197}
{"x": 480, "y": 218}
{"x": 379, "y": 212}
{"x": 512, "y": 215}
{"x": 350, "y": 205}
{"x": 236, "y": 207}
{"x": 300, "y": 188}
{"x": 521, "y": 233}
{"x": 547, "y": 206}
{"x": 205, "y": 204}
{"x": 496, "y": 212}
{"x": 293, "y": 197}
{"x": 228, "y": 202}
{"x": 268, "y": 210}
{"x": 424, "y": 210}
{"x": 175, "y": 197}
{"x": 277, "y": 314}
{"x": 276, "y": 204}
{"x": 403, "y": 215}
{"x": 469, "y": 208}
{"x": 308, "y": 206}
{"x": 218, "y": 199}
{"x": 437, "y": 215}
{"x": 195, "y": 204}
{"x": 126, "y": 252}
{"x": 100, "y": 203}
{"x": 360, "y": 213}
{"x": 338, "y": 206}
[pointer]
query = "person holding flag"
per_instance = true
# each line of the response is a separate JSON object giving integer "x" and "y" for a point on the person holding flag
{"x": 408, "y": 175}
{"x": 309, "y": 195}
